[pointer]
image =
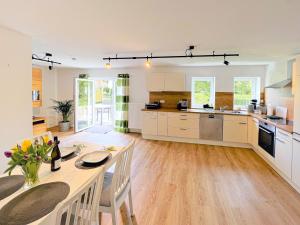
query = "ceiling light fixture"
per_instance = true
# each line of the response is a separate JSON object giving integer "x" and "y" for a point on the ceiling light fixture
{"x": 107, "y": 65}
{"x": 190, "y": 55}
{"x": 43, "y": 59}
{"x": 226, "y": 62}
{"x": 148, "y": 62}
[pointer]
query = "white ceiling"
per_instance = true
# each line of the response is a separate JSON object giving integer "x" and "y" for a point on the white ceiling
{"x": 260, "y": 30}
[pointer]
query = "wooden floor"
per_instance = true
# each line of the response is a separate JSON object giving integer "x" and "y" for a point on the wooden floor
{"x": 191, "y": 184}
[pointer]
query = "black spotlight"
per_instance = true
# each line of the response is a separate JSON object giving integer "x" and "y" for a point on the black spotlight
{"x": 225, "y": 61}
{"x": 51, "y": 66}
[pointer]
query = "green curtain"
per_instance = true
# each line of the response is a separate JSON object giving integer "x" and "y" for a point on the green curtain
{"x": 122, "y": 100}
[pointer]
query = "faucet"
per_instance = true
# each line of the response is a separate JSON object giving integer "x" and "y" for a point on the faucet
{"x": 222, "y": 108}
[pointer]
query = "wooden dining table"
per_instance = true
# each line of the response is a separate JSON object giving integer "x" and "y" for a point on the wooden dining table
{"x": 76, "y": 178}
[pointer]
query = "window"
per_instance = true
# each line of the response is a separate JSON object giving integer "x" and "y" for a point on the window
{"x": 203, "y": 91}
{"x": 246, "y": 89}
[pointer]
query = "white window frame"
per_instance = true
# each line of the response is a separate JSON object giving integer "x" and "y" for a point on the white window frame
{"x": 212, "y": 91}
{"x": 255, "y": 91}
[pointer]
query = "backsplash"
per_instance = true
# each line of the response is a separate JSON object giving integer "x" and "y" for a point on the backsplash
{"x": 171, "y": 98}
{"x": 281, "y": 97}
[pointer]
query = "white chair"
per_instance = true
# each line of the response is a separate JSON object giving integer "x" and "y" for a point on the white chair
{"x": 82, "y": 208}
{"x": 117, "y": 185}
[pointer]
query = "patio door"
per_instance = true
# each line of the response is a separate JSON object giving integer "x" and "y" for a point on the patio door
{"x": 84, "y": 104}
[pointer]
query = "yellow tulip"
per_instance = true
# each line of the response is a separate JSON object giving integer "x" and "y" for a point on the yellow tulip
{"x": 15, "y": 149}
{"x": 25, "y": 145}
{"x": 46, "y": 139}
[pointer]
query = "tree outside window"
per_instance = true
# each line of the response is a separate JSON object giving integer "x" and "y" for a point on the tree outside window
{"x": 203, "y": 91}
{"x": 245, "y": 89}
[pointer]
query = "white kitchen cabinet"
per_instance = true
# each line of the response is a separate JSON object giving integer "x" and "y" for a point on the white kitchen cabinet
{"x": 155, "y": 82}
{"x": 175, "y": 82}
{"x": 255, "y": 131}
{"x": 235, "y": 129}
{"x": 250, "y": 130}
{"x": 296, "y": 160}
{"x": 284, "y": 152}
{"x": 183, "y": 125}
{"x": 149, "y": 123}
{"x": 166, "y": 82}
{"x": 162, "y": 124}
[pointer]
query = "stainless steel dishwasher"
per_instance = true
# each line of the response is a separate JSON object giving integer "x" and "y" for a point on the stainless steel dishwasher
{"x": 211, "y": 127}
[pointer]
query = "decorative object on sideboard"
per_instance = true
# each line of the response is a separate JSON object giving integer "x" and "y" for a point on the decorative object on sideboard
{"x": 83, "y": 76}
{"x": 65, "y": 108}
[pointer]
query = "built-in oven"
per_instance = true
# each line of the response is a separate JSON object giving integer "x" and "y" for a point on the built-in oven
{"x": 266, "y": 137}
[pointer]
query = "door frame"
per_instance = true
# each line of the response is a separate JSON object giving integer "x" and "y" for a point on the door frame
{"x": 76, "y": 103}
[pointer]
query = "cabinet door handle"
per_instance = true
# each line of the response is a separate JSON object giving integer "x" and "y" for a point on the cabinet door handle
{"x": 183, "y": 129}
{"x": 183, "y": 119}
{"x": 296, "y": 140}
{"x": 280, "y": 132}
{"x": 182, "y": 115}
{"x": 278, "y": 139}
{"x": 243, "y": 123}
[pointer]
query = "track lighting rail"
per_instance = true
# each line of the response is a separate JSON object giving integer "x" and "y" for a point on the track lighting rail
{"x": 171, "y": 56}
{"x": 45, "y": 60}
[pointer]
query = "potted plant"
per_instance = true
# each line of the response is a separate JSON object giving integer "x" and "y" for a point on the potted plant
{"x": 65, "y": 108}
{"x": 29, "y": 156}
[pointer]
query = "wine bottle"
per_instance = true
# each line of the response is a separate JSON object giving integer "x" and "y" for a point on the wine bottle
{"x": 55, "y": 156}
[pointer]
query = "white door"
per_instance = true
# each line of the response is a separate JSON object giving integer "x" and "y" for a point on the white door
{"x": 84, "y": 104}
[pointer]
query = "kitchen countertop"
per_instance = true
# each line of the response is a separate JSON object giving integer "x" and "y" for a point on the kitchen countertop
{"x": 38, "y": 118}
{"x": 213, "y": 111}
{"x": 285, "y": 125}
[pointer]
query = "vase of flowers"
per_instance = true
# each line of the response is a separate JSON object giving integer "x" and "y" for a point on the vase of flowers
{"x": 29, "y": 156}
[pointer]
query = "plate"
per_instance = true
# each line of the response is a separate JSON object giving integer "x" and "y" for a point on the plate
{"x": 67, "y": 151}
{"x": 94, "y": 157}
{"x": 10, "y": 184}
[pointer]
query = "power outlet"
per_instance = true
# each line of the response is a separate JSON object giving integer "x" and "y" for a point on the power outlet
{"x": 162, "y": 101}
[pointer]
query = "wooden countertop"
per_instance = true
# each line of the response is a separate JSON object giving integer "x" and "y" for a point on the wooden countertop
{"x": 288, "y": 127}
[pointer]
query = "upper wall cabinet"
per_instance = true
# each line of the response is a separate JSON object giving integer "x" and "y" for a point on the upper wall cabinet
{"x": 36, "y": 87}
{"x": 166, "y": 82}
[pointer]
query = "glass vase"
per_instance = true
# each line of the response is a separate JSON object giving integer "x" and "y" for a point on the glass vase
{"x": 31, "y": 174}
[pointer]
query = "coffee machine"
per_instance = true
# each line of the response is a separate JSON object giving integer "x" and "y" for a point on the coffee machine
{"x": 182, "y": 104}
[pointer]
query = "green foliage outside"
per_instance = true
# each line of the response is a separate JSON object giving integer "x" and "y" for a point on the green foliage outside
{"x": 202, "y": 92}
{"x": 84, "y": 92}
{"x": 242, "y": 93}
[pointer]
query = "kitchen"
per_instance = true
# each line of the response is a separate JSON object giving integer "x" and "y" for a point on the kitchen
{"x": 272, "y": 132}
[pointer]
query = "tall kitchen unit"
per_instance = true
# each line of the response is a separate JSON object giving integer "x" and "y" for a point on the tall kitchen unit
{"x": 296, "y": 134}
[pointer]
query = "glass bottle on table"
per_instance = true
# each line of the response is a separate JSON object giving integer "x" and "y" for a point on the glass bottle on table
{"x": 55, "y": 156}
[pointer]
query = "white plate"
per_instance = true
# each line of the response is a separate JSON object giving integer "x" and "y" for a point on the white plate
{"x": 95, "y": 157}
{"x": 66, "y": 151}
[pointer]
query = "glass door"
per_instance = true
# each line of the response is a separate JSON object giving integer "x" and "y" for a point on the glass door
{"x": 84, "y": 107}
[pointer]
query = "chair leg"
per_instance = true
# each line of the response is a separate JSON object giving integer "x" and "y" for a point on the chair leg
{"x": 114, "y": 215}
{"x": 130, "y": 203}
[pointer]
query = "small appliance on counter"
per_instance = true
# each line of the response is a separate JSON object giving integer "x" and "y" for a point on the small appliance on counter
{"x": 254, "y": 103}
{"x": 183, "y": 104}
{"x": 154, "y": 105}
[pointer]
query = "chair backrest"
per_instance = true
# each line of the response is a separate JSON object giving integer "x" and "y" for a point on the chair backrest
{"x": 122, "y": 171}
{"x": 82, "y": 207}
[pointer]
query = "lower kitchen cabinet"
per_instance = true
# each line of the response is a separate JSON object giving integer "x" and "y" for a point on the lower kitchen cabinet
{"x": 255, "y": 131}
{"x": 235, "y": 129}
{"x": 284, "y": 152}
{"x": 296, "y": 160}
{"x": 162, "y": 124}
{"x": 149, "y": 123}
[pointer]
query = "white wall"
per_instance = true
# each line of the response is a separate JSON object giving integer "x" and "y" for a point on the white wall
{"x": 49, "y": 92}
{"x": 138, "y": 93}
{"x": 15, "y": 90}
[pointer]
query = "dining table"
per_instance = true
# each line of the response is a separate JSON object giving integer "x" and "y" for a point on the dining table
{"x": 75, "y": 177}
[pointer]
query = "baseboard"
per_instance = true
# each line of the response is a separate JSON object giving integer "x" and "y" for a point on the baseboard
{"x": 272, "y": 164}
{"x": 133, "y": 130}
{"x": 196, "y": 141}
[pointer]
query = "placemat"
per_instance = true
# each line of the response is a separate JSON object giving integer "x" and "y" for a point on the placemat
{"x": 33, "y": 204}
{"x": 81, "y": 165}
{"x": 10, "y": 184}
